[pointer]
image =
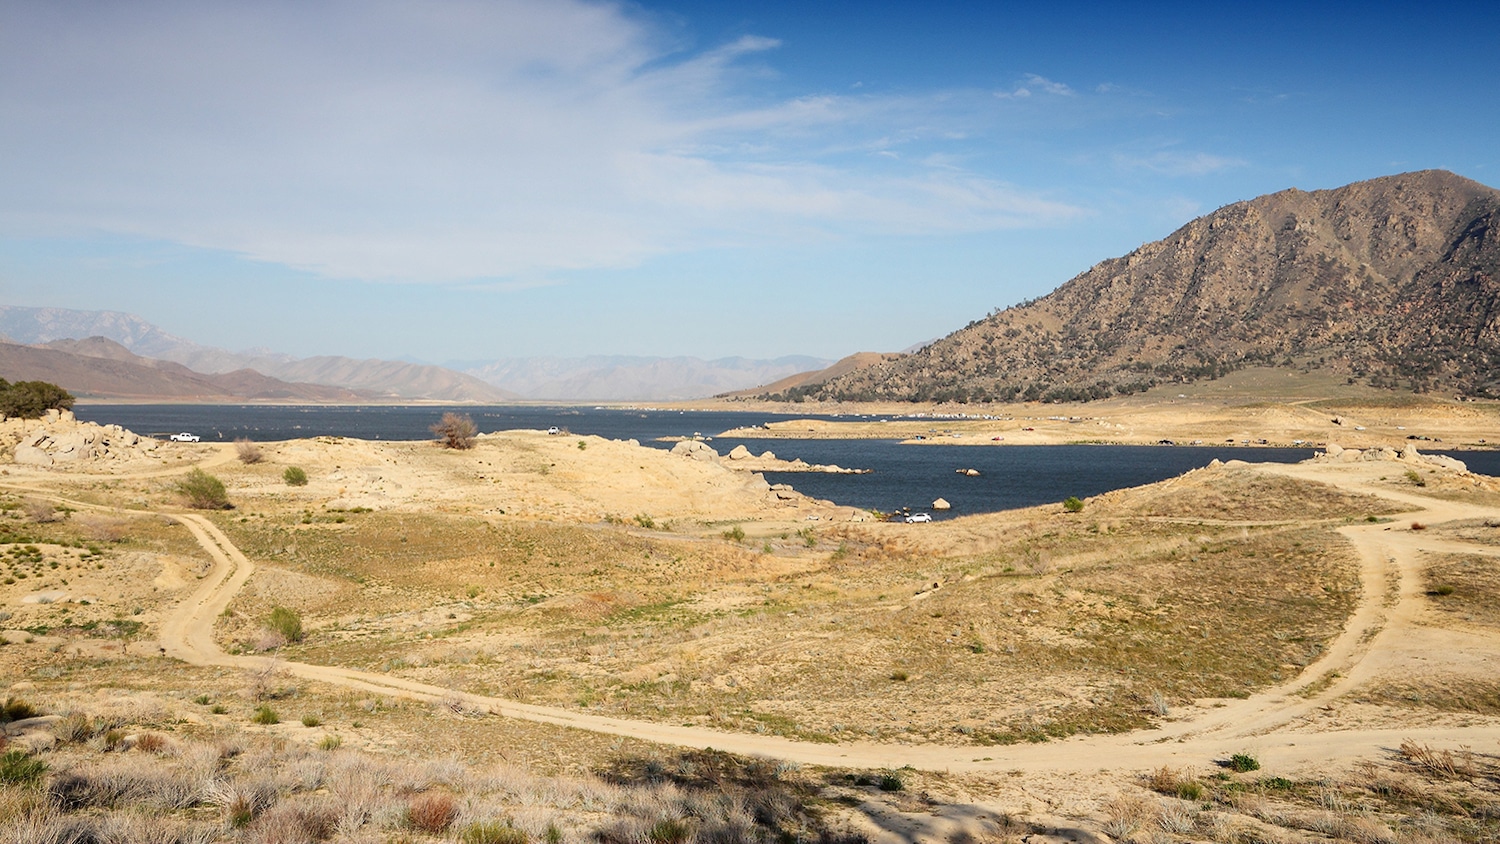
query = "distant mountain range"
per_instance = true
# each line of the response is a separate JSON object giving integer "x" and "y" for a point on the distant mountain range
{"x": 621, "y": 378}
{"x": 113, "y": 335}
{"x": 1394, "y": 282}
{"x": 97, "y": 367}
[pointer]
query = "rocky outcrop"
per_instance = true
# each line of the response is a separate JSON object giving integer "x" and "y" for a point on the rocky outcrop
{"x": 1334, "y": 453}
{"x": 740, "y": 458}
{"x": 59, "y": 438}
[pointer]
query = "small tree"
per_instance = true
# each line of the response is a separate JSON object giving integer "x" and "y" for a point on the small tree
{"x": 203, "y": 491}
{"x": 294, "y": 476}
{"x": 30, "y": 399}
{"x": 247, "y": 451}
{"x": 456, "y": 430}
{"x": 1072, "y": 504}
{"x": 287, "y": 622}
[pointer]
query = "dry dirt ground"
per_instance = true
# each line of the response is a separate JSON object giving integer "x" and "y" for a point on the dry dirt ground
{"x": 579, "y": 606}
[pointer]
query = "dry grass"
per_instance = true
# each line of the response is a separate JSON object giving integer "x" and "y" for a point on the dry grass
{"x": 1465, "y": 588}
{"x": 229, "y": 787}
{"x": 1418, "y": 794}
{"x": 1240, "y": 494}
{"x": 1442, "y": 693}
{"x": 802, "y": 642}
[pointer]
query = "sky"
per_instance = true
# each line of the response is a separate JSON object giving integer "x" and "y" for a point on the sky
{"x": 464, "y": 180}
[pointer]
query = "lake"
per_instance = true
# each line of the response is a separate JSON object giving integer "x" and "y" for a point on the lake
{"x": 903, "y": 475}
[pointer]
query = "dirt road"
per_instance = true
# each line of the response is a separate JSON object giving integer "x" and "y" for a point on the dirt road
{"x": 1271, "y": 724}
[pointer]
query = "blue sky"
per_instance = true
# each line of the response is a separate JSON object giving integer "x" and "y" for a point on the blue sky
{"x": 472, "y": 180}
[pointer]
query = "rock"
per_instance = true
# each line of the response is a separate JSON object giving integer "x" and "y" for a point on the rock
{"x": 1388, "y": 453}
{"x": 1350, "y": 455}
{"x": 941, "y": 504}
{"x": 29, "y": 455}
{"x": 767, "y": 455}
{"x": 972, "y": 473}
{"x": 740, "y": 453}
{"x": 1334, "y": 450}
{"x": 1411, "y": 453}
{"x": 696, "y": 450}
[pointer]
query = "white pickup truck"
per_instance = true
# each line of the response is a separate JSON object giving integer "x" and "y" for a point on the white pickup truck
{"x": 184, "y": 437}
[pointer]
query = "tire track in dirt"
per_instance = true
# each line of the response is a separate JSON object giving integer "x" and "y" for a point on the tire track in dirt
{"x": 1256, "y": 723}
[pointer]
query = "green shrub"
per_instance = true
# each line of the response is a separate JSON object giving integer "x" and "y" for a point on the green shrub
{"x": 265, "y": 715}
{"x": 891, "y": 782}
{"x": 203, "y": 491}
{"x": 1072, "y": 504}
{"x": 31, "y": 399}
{"x": 1411, "y": 475}
{"x": 670, "y": 831}
{"x": 311, "y": 720}
{"x": 493, "y": 832}
{"x": 18, "y": 768}
{"x": 737, "y": 534}
{"x": 287, "y": 622}
{"x": 294, "y": 476}
{"x": 331, "y": 742}
{"x": 1243, "y": 762}
{"x": 15, "y": 709}
{"x": 1444, "y": 589}
{"x": 645, "y": 521}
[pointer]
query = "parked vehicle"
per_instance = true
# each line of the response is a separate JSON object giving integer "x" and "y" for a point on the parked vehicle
{"x": 916, "y": 518}
{"x": 553, "y": 431}
{"x": 184, "y": 437}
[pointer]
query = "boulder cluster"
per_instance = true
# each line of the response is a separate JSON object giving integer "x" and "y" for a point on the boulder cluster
{"x": 61, "y": 438}
{"x": 1338, "y": 454}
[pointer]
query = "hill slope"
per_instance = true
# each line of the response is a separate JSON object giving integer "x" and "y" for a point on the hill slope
{"x": 375, "y": 378}
{"x": 1394, "y": 280}
{"x": 101, "y": 368}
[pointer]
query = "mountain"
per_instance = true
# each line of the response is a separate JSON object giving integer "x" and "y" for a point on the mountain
{"x": 376, "y": 379}
{"x": 101, "y": 368}
{"x": 1394, "y": 281}
{"x": 804, "y": 381}
{"x": 622, "y": 378}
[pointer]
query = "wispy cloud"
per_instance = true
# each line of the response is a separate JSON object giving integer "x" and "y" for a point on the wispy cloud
{"x": 452, "y": 140}
{"x": 1178, "y": 163}
{"x": 1034, "y": 84}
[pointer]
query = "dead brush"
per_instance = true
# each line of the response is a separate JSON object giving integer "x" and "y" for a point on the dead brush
{"x": 154, "y": 743}
{"x": 40, "y": 511}
{"x": 102, "y": 528}
{"x": 248, "y": 452}
{"x": 431, "y": 812}
{"x": 1124, "y": 816}
{"x": 1442, "y": 764}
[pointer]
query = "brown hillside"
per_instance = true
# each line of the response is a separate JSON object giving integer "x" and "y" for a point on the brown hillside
{"x": 103, "y": 368}
{"x": 813, "y": 378}
{"x": 1392, "y": 281}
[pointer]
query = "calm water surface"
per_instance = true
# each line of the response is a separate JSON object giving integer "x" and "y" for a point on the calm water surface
{"x": 903, "y": 475}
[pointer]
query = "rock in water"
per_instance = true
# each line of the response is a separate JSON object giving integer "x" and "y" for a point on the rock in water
{"x": 941, "y": 504}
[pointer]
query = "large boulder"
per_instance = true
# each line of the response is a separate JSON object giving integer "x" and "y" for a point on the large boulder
{"x": 696, "y": 450}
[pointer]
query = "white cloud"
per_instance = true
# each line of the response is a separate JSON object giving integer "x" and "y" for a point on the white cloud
{"x": 448, "y": 140}
{"x": 1032, "y": 83}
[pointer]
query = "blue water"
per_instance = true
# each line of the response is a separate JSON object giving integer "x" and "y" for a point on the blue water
{"x": 903, "y": 475}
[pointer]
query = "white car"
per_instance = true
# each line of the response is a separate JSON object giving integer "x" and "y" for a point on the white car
{"x": 553, "y": 431}
{"x": 184, "y": 437}
{"x": 916, "y": 518}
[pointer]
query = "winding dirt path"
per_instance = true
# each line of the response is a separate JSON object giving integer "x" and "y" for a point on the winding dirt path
{"x": 1265, "y": 723}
